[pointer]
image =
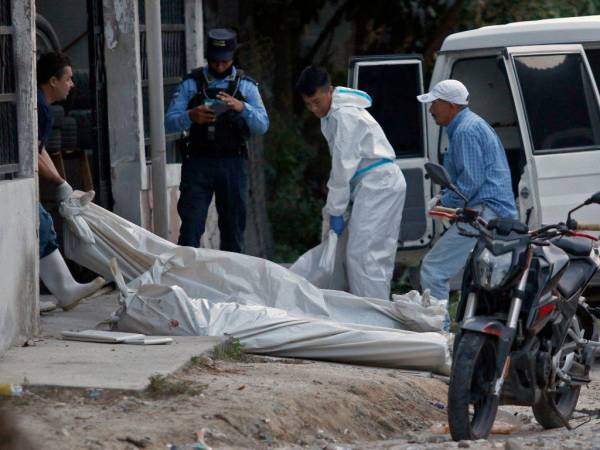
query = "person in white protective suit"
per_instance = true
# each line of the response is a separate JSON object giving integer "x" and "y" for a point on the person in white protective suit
{"x": 365, "y": 185}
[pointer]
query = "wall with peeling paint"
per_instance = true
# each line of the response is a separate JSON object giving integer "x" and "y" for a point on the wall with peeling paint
{"x": 18, "y": 218}
{"x": 125, "y": 115}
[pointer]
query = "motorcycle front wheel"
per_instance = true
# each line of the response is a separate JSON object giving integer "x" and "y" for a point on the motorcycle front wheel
{"x": 471, "y": 406}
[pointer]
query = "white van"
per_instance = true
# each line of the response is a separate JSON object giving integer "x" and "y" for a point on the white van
{"x": 534, "y": 82}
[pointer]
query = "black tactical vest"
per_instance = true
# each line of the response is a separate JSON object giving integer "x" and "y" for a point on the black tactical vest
{"x": 228, "y": 134}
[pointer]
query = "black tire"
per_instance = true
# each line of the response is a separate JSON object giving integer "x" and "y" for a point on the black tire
{"x": 58, "y": 115}
{"x": 564, "y": 402}
{"x": 471, "y": 410}
{"x": 85, "y": 122}
{"x": 69, "y": 133}
{"x": 46, "y": 38}
{"x": 54, "y": 143}
{"x": 81, "y": 94}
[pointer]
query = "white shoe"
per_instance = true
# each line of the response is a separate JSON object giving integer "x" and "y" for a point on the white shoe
{"x": 58, "y": 279}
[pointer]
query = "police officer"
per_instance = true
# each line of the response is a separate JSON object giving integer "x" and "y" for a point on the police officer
{"x": 221, "y": 107}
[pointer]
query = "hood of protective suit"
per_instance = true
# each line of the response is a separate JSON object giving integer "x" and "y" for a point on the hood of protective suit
{"x": 343, "y": 96}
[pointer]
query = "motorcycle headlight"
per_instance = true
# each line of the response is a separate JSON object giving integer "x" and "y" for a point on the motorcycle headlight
{"x": 491, "y": 270}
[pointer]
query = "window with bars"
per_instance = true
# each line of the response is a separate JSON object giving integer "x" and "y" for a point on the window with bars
{"x": 172, "y": 13}
{"x": 9, "y": 148}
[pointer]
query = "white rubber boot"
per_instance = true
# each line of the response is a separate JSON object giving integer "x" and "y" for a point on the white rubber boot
{"x": 58, "y": 279}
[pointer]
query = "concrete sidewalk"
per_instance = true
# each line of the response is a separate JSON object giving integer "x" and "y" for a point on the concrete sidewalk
{"x": 56, "y": 362}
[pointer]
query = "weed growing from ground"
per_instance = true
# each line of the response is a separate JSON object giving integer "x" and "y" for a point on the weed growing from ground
{"x": 232, "y": 350}
{"x": 161, "y": 386}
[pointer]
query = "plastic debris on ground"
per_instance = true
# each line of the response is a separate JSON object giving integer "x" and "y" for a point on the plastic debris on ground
{"x": 112, "y": 337}
{"x": 10, "y": 390}
{"x": 268, "y": 307}
{"x": 420, "y": 312}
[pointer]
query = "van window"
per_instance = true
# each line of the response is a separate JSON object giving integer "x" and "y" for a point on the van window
{"x": 559, "y": 101}
{"x": 491, "y": 98}
{"x": 593, "y": 56}
{"x": 394, "y": 88}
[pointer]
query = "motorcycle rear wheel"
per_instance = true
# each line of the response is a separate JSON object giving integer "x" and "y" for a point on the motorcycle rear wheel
{"x": 564, "y": 402}
{"x": 471, "y": 406}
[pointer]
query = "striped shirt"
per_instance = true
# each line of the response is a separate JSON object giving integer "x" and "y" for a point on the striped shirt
{"x": 476, "y": 162}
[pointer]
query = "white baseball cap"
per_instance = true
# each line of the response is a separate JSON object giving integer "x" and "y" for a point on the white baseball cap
{"x": 452, "y": 91}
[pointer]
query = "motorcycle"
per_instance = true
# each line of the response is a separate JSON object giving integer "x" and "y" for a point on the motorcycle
{"x": 526, "y": 335}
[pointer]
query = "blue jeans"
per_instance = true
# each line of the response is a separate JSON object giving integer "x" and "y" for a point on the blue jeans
{"x": 447, "y": 258}
{"x": 227, "y": 179}
{"x": 48, "y": 239}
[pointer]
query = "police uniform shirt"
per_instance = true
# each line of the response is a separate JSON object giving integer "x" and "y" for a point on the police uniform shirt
{"x": 254, "y": 112}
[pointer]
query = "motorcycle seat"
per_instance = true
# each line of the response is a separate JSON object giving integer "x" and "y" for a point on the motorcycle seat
{"x": 574, "y": 246}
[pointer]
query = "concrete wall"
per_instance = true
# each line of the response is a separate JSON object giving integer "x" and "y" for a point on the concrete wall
{"x": 18, "y": 217}
{"x": 125, "y": 114}
{"x": 19, "y": 262}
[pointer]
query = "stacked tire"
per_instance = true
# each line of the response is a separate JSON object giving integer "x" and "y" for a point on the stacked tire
{"x": 69, "y": 133}
{"x": 54, "y": 143}
{"x": 81, "y": 109}
{"x": 81, "y": 94}
{"x": 84, "y": 123}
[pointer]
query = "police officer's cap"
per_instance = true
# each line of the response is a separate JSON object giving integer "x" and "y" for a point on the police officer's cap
{"x": 222, "y": 43}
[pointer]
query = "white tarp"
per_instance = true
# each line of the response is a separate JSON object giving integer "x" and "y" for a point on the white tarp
{"x": 95, "y": 236}
{"x": 420, "y": 312}
{"x": 167, "y": 310}
{"x": 323, "y": 265}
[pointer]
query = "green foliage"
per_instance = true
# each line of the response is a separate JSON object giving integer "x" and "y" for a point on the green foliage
{"x": 481, "y": 13}
{"x": 295, "y": 152}
{"x": 161, "y": 387}
{"x": 295, "y": 177}
{"x": 401, "y": 283}
{"x": 453, "y": 304}
{"x": 232, "y": 350}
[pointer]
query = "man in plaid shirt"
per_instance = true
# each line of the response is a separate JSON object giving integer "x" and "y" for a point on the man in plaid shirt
{"x": 476, "y": 162}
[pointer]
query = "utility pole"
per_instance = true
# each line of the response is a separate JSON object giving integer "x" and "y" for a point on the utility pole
{"x": 160, "y": 210}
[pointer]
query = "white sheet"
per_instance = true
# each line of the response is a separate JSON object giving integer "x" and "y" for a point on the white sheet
{"x": 271, "y": 309}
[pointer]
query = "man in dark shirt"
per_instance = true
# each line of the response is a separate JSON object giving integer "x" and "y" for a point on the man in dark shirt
{"x": 54, "y": 77}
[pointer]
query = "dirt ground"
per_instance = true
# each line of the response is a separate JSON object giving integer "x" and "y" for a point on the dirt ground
{"x": 275, "y": 403}
{"x": 253, "y": 402}
{"x": 256, "y": 403}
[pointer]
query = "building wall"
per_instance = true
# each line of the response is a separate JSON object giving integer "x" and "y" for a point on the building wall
{"x": 125, "y": 126}
{"x": 19, "y": 262}
{"x": 19, "y": 309}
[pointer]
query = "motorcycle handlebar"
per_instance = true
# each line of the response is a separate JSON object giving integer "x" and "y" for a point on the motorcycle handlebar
{"x": 466, "y": 215}
{"x": 443, "y": 209}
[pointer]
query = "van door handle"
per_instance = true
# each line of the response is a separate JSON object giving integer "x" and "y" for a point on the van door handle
{"x": 524, "y": 192}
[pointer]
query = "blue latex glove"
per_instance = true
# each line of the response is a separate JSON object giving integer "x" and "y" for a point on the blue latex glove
{"x": 336, "y": 223}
